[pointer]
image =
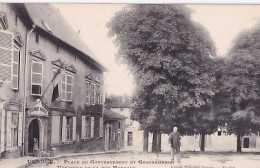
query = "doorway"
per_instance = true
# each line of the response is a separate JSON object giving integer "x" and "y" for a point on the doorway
{"x": 246, "y": 142}
{"x": 33, "y": 132}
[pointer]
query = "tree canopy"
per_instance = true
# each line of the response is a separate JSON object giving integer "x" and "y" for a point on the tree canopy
{"x": 239, "y": 86}
{"x": 170, "y": 57}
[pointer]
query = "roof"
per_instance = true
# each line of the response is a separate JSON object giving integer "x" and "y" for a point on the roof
{"x": 111, "y": 115}
{"x": 49, "y": 19}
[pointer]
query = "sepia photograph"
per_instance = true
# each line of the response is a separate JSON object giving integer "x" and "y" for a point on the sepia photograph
{"x": 129, "y": 85}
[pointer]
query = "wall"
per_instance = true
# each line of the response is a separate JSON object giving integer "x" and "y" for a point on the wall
{"x": 13, "y": 99}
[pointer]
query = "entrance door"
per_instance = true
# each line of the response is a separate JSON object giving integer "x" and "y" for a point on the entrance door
{"x": 33, "y": 133}
{"x": 129, "y": 138}
{"x": 246, "y": 142}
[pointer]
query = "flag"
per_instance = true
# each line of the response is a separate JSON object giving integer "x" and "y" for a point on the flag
{"x": 55, "y": 93}
{"x": 56, "y": 82}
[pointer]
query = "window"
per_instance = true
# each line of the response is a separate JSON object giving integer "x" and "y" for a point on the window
{"x": 129, "y": 138}
{"x": 97, "y": 94}
{"x": 36, "y": 78}
{"x": 101, "y": 127}
{"x": 92, "y": 125}
{"x": 219, "y": 133}
{"x": 14, "y": 129}
{"x": 119, "y": 124}
{"x": 87, "y": 93}
{"x": 88, "y": 127}
{"x": 15, "y": 70}
{"x": 6, "y": 53}
{"x": 66, "y": 87}
{"x": 92, "y": 93}
{"x": 55, "y": 131}
{"x": 69, "y": 128}
{"x": 37, "y": 38}
{"x": 101, "y": 95}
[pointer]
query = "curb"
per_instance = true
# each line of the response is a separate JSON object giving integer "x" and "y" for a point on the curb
{"x": 34, "y": 161}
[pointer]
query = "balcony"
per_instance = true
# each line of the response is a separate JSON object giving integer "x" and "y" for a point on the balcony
{"x": 97, "y": 108}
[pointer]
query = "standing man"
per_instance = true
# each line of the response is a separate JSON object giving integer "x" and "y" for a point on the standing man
{"x": 174, "y": 140}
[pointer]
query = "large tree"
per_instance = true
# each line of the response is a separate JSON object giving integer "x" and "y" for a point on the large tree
{"x": 170, "y": 57}
{"x": 239, "y": 86}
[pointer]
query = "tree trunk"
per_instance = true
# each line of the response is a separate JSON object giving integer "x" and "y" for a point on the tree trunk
{"x": 159, "y": 143}
{"x": 202, "y": 142}
{"x": 238, "y": 142}
{"x": 154, "y": 143}
{"x": 145, "y": 140}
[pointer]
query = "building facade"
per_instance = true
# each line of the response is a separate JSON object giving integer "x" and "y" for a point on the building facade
{"x": 114, "y": 125}
{"x": 51, "y": 85}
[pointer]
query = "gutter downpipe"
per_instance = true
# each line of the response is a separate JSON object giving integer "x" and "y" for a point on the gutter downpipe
{"x": 25, "y": 85}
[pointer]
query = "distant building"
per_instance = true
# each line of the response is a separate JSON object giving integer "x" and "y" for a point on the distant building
{"x": 133, "y": 136}
{"x": 114, "y": 125}
{"x": 50, "y": 84}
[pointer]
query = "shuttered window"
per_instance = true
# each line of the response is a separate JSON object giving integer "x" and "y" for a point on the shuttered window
{"x": 92, "y": 93}
{"x": 6, "y": 53}
{"x": 36, "y": 78}
{"x": 63, "y": 87}
{"x": 83, "y": 127}
{"x": 2, "y": 129}
{"x": 88, "y": 127}
{"x": 66, "y": 87}
{"x": 87, "y": 92}
{"x": 15, "y": 70}
{"x": 69, "y": 80}
{"x": 101, "y": 127}
{"x": 101, "y": 95}
{"x": 55, "y": 131}
{"x": 69, "y": 128}
{"x": 92, "y": 127}
{"x": 97, "y": 94}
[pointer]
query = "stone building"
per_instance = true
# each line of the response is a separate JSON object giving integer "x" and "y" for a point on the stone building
{"x": 51, "y": 84}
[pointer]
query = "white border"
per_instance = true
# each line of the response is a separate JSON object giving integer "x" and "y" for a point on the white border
{"x": 140, "y": 1}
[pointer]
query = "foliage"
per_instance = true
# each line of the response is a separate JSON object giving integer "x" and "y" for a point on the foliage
{"x": 239, "y": 85}
{"x": 171, "y": 58}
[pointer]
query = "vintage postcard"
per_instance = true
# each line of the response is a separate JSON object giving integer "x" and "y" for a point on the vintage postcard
{"x": 129, "y": 85}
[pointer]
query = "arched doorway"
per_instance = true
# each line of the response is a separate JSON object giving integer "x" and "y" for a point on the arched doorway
{"x": 34, "y": 132}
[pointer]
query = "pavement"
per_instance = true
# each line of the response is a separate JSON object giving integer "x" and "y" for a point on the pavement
{"x": 27, "y": 161}
{"x": 133, "y": 159}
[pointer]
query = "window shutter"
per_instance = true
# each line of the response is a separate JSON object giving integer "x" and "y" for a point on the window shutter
{"x": 69, "y": 81}
{"x": 2, "y": 130}
{"x": 55, "y": 131}
{"x": 36, "y": 77}
{"x": 92, "y": 126}
{"x": 74, "y": 133}
{"x": 101, "y": 95}
{"x": 83, "y": 127}
{"x": 6, "y": 53}
{"x": 87, "y": 93}
{"x": 101, "y": 127}
{"x": 8, "y": 130}
{"x": 20, "y": 128}
{"x": 63, "y": 87}
{"x": 15, "y": 70}
{"x": 64, "y": 129}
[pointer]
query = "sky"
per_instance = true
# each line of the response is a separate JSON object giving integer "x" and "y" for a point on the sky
{"x": 223, "y": 22}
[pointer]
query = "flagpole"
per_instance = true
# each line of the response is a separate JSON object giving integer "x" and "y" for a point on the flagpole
{"x": 52, "y": 80}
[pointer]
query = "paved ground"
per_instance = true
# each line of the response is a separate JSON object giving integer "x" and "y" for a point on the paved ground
{"x": 150, "y": 160}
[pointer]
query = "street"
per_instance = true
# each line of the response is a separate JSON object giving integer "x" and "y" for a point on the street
{"x": 152, "y": 160}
